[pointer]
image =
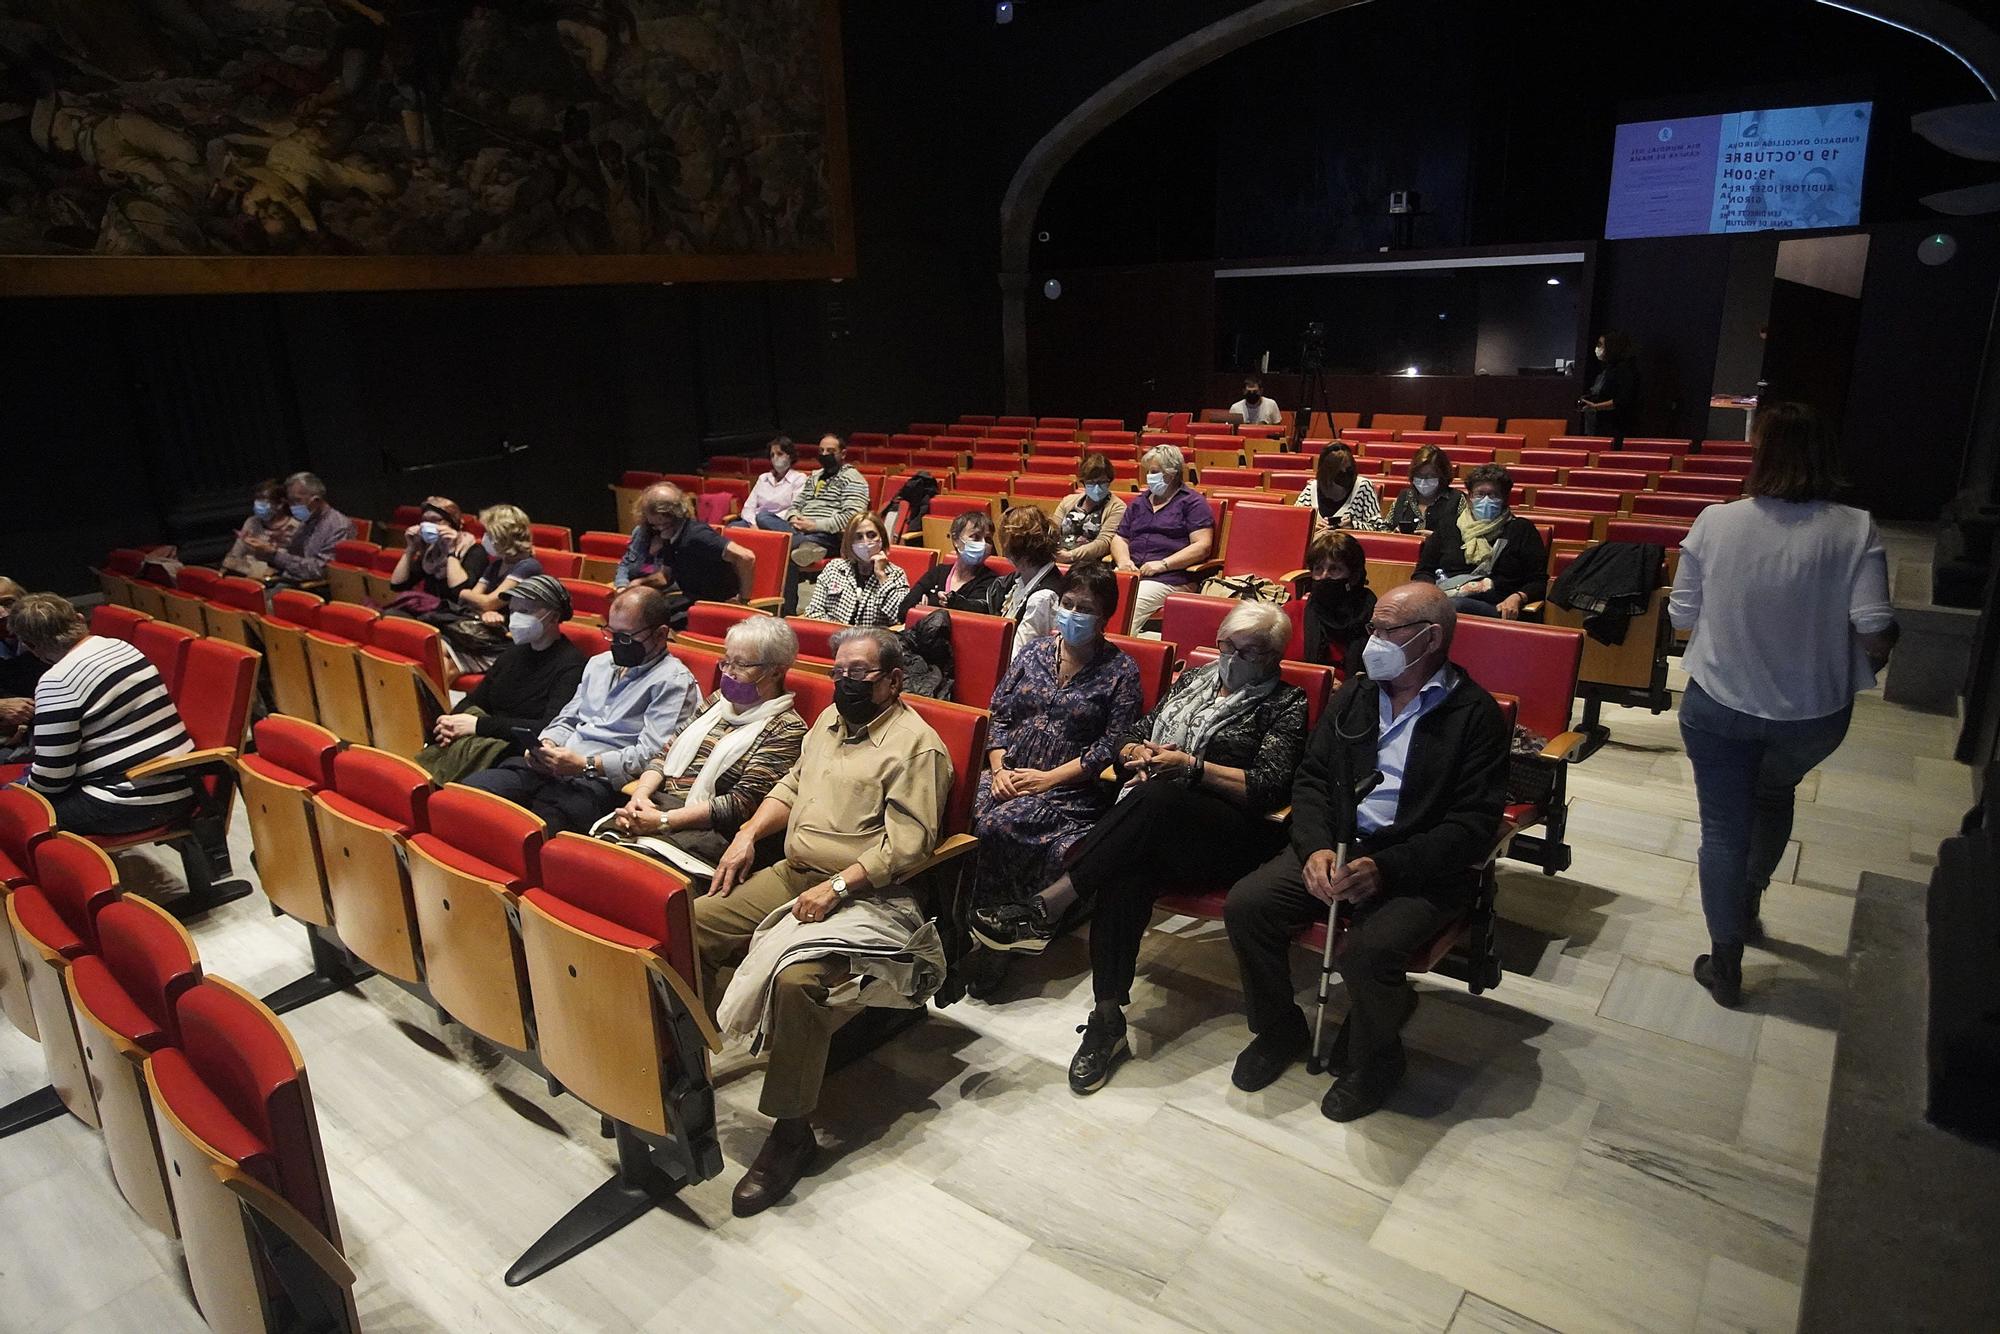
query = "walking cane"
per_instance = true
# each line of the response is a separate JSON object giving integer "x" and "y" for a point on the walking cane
{"x": 1315, "y": 1060}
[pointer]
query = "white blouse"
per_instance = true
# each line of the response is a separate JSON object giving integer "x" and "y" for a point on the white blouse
{"x": 1774, "y": 592}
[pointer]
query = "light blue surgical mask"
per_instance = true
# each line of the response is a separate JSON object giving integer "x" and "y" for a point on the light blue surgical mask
{"x": 1156, "y": 482}
{"x": 1425, "y": 486}
{"x": 261, "y": 508}
{"x": 1098, "y": 492}
{"x": 1077, "y": 628}
{"x": 302, "y": 512}
{"x": 492, "y": 552}
{"x": 428, "y": 531}
{"x": 1486, "y": 508}
{"x": 972, "y": 552}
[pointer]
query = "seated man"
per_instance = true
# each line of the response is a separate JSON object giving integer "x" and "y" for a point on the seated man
{"x": 19, "y": 670}
{"x": 631, "y": 703}
{"x": 1253, "y": 409}
{"x": 860, "y": 810}
{"x": 101, "y": 709}
{"x": 1441, "y": 746}
{"x": 672, "y": 549}
{"x": 321, "y": 527}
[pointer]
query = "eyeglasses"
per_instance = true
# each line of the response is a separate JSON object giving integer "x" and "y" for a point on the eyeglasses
{"x": 1377, "y": 628}
{"x": 735, "y": 668}
{"x": 1088, "y": 608}
{"x": 1254, "y": 654}
{"x": 628, "y": 637}
{"x": 857, "y": 673}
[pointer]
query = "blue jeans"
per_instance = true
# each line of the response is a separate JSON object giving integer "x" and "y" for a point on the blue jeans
{"x": 1746, "y": 769}
{"x": 771, "y": 523}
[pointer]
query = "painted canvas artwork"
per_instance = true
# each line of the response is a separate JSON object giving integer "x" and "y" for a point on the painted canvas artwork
{"x": 662, "y": 136}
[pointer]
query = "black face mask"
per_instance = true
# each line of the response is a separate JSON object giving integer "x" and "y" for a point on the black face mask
{"x": 856, "y": 701}
{"x": 1252, "y": 396}
{"x": 1328, "y": 591}
{"x": 629, "y": 654}
{"x": 829, "y": 463}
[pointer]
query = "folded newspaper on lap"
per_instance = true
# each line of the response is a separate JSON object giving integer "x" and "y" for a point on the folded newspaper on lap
{"x": 672, "y": 854}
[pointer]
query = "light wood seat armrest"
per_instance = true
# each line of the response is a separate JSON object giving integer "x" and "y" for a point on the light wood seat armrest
{"x": 1564, "y": 746}
{"x": 1293, "y": 576}
{"x": 1205, "y": 568}
{"x": 274, "y": 1208}
{"x": 769, "y": 606}
{"x": 671, "y": 975}
{"x": 194, "y": 759}
{"x": 955, "y": 846}
{"x": 1279, "y": 816}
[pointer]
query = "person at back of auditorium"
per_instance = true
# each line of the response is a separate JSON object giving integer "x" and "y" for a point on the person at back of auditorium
{"x": 673, "y": 551}
{"x": 521, "y": 693}
{"x": 1492, "y": 561}
{"x": 1430, "y": 502}
{"x": 1611, "y": 404}
{"x": 861, "y": 586}
{"x": 1786, "y": 597}
{"x": 19, "y": 671}
{"x": 630, "y": 703}
{"x": 775, "y": 492}
{"x": 1339, "y": 496}
{"x": 269, "y": 521}
{"x": 440, "y": 559}
{"x": 1202, "y": 773}
{"x": 1163, "y": 534}
{"x": 812, "y": 935}
{"x": 302, "y": 557}
{"x": 1440, "y": 743}
{"x": 1254, "y": 408}
{"x": 828, "y": 502}
{"x": 101, "y": 710}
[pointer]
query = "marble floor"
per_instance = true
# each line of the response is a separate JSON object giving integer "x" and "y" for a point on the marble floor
{"x": 1592, "y": 1146}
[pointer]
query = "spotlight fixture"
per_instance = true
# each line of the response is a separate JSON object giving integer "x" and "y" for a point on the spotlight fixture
{"x": 1937, "y": 248}
{"x": 1409, "y": 370}
{"x": 1555, "y": 282}
{"x": 1003, "y": 11}
{"x": 1052, "y": 288}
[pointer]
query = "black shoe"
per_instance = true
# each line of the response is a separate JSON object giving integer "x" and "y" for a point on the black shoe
{"x": 1363, "y": 1090}
{"x": 1020, "y": 927}
{"x": 1722, "y": 976}
{"x": 1271, "y": 1053}
{"x": 1103, "y": 1047}
{"x": 984, "y": 973}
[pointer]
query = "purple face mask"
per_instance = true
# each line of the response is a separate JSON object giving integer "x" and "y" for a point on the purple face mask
{"x": 742, "y": 694}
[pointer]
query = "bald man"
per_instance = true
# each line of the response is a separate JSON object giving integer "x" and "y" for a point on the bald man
{"x": 1419, "y": 837}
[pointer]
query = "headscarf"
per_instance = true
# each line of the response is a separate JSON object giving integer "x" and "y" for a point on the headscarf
{"x": 1475, "y": 538}
{"x": 545, "y": 589}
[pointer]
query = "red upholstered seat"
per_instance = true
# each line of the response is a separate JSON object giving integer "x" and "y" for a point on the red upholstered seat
{"x": 165, "y": 646}
{"x": 588, "y": 597}
{"x": 410, "y": 641}
{"x": 981, "y": 648}
{"x": 241, "y": 594}
{"x": 482, "y": 835}
{"x": 813, "y": 692}
{"x": 76, "y": 880}
{"x": 712, "y": 620}
{"x": 815, "y": 637}
{"x": 25, "y": 820}
{"x": 559, "y": 563}
{"x": 1267, "y": 540}
{"x": 551, "y": 535}
{"x": 592, "y": 639}
{"x": 1556, "y": 458}
{"x": 630, "y": 898}
{"x": 143, "y": 964}
{"x": 1668, "y": 506}
{"x": 109, "y": 620}
{"x": 1189, "y": 620}
{"x": 41, "y": 919}
{"x": 292, "y": 752}
{"x": 605, "y": 545}
{"x": 1155, "y": 659}
{"x": 378, "y": 790}
{"x": 1315, "y": 679}
{"x": 704, "y": 663}
{"x": 963, "y": 731}
{"x": 1537, "y": 664}
{"x": 345, "y": 622}
{"x": 773, "y": 552}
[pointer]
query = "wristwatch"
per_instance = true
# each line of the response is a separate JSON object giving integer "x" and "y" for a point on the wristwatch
{"x": 839, "y": 887}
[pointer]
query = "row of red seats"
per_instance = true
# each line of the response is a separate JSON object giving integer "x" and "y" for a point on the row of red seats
{"x": 198, "y": 1090}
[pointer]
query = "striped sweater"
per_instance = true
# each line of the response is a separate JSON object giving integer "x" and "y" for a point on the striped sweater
{"x": 99, "y": 711}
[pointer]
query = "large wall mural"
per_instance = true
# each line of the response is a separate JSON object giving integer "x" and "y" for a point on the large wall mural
{"x": 218, "y": 145}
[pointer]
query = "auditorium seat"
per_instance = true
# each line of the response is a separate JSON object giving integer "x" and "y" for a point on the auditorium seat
{"x": 702, "y": 662}
{"x": 1061, "y": 466}
{"x": 1048, "y": 439}
{"x": 1391, "y": 558}
{"x": 1531, "y": 474}
{"x": 149, "y": 598}
{"x": 915, "y": 562}
{"x": 1576, "y": 500}
{"x": 347, "y": 572}
{"x": 1716, "y": 465}
{"x": 124, "y": 997}
{"x": 54, "y": 922}
{"x": 1255, "y": 479}
{"x": 858, "y": 440}
{"x": 1555, "y": 458}
{"x": 815, "y": 640}
{"x": 983, "y": 483}
{"x": 1397, "y": 421}
{"x": 1042, "y": 492}
{"x": 1536, "y": 432}
{"x": 1012, "y": 434}
{"x": 403, "y": 681}
{"x": 26, "y": 818}
{"x": 1210, "y": 452}
{"x": 601, "y": 551}
{"x": 1587, "y": 444}
{"x": 559, "y": 564}
{"x": 1290, "y": 484}
{"x": 287, "y": 663}
{"x": 375, "y": 802}
{"x": 812, "y": 692}
{"x": 1469, "y": 426}
{"x": 183, "y": 608}
{"x": 166, "y": 647}
{"x": 108, "y": 620}
{"x": 1155, "y": 660}
{"x": 333, "y": 649}
{"x": 1606, "y": 479}
{"x": 377, "y": 580}
{"x": 214, "y": 705}
{"x": 469, "y": 866}
{"x": 1657, "y": 464}
{"x": 1537, "y": 665}
{"x": 554, "y": 536}
{"x": 1671, "y": 506}
{"x": 1701, "y": 484}
{"x": 926, "y": 428}
{"x": 240, "y": 1148}
{"x": 774, "y": 554}
{"x": 1190, "y": 620}
{"x": 981, "y": 648}
{"x": 589, "y": 600}
{"x": 1656, "y": 445}
{"x": 947, "y": 506}
{"x": 960, "y": 430}
{"x": 712, "y": 620}
{"x": 291, "y": 761}
{"x": 1442, "y": 439}
{"x": 1267, "y": 540}
{"x": 1633, "y": 671}
{"x": 1354, "y": 435}
{"x": 1070, "y": 424}
{"x": 1562, "y": 525}
{"x": 234, "y": 610}
{"x": 737, "y": 489}
{"x": 1729, "y": 449}
{"x": 608, "y": 939}
{"x": 1313, "y": 678}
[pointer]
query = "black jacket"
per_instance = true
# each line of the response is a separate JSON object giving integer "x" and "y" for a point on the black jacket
{"x": 1523, "y": 566}
{"x": 1454, "y": 788}
{"x": 1341, "y": 624}
{"x": 1610, "y": 582}
{"x": 1409, "y": 513}
{"x": 980, "y": 593}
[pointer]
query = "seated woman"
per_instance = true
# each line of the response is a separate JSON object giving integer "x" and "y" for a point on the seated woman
{"x": 775, "y": 492}
{"x": 699, "y": 791}
{"x": 1339, "y": 605}
{"x": 270, "y": 521}
{"x": 475, "y": 626}
{"x": 1063, "y": 705}
{"x": 1339, "y": 496}
{"x": 1162, "y": 534}
{"x": 439, "y": 561}
{"x": 861, "y": 585}
{"x": 1029, "y": 540}
{"x": 964, "y": 583}
{"x": 1087, "y": 517}
{"x": 526, "y": 687}
{"x": 1429, "y": 502}
{"x": 1206, "y": 769}
{"x": 1492, "y": 561}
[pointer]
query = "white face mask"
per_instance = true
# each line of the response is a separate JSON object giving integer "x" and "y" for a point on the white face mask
{"x": 526, "y": 628}
{"x": 1425, "y": 486}
{"x": 1385, "y": 661}
{"x": 1156, "y": 482}
{"x": 780, "y": 465}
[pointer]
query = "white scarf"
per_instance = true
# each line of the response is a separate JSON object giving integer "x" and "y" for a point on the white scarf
{"x": 744, "y": 729}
